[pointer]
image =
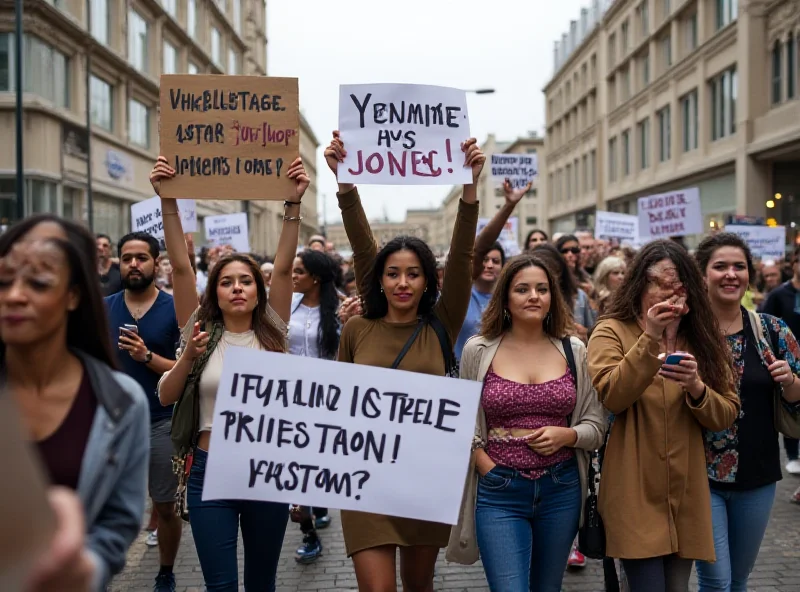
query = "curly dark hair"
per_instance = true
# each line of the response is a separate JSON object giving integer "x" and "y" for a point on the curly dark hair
{"x": 374, "y": 301}
{"x": 558, "y": 265}
{"x": 325, "y": 270}
{"x": 699, "y": 326}
{"x": 713, "y": 242}
{"x": 269, "y": 336}
{"x": 494, "y": 322}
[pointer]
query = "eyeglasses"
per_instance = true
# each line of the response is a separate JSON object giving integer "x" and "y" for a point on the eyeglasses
{"x": 573, "y": 250}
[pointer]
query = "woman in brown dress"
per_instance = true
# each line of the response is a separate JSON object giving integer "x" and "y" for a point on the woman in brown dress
{"x": 398, "y": 287}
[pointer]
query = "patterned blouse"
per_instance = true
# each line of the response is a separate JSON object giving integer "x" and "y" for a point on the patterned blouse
{"x": 746, "y": 455}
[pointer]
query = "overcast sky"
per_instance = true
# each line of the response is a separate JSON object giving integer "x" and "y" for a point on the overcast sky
{"x": 502, "y": 44}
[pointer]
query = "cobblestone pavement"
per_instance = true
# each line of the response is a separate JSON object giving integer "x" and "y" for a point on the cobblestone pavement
{"x": 776, "y": 570}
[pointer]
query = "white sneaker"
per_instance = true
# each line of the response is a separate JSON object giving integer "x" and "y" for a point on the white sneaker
{"x": 152, "y": 539}
{"x": 793, "y": 467}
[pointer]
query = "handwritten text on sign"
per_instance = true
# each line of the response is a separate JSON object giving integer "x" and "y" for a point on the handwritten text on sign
{"x": 403, "y": 134}
{"x": 228, "y": 229}
{"x": 146, "y": 217}
{"x": 508, "y": 236}
{"x": 300, "y": 430}
{"x": 229, "y": 137}
{"x": 676, "y": 213}
{"x": 765, "y": 242}
{"x": 519, "y": 169}
{"x": 616, "y": 225}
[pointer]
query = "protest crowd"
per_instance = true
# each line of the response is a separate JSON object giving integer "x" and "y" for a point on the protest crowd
{"x": 593, "y": 397}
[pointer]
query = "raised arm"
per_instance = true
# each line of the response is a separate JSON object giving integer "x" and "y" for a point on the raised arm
{"x": 183, "y": 278}
{"x": 490, "y": 234}
{"x": 454, "y": 301}
{"x": 281, "y": 288}
{"x": 355, "y": 220}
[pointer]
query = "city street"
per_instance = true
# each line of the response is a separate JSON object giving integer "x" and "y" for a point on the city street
{"x": 776, "y": 571}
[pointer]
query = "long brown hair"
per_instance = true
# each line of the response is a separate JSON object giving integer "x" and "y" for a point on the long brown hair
{"x": 268, "y": 335}
{"x": 495, "y": 323}
{"x": 699, "y": 326}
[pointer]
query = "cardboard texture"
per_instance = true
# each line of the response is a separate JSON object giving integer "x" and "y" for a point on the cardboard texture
{"x": 229, "y": 137}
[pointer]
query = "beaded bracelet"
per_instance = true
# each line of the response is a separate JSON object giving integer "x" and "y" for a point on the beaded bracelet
{"x": 478, "y": 442}
{"x": 292, "y": 218}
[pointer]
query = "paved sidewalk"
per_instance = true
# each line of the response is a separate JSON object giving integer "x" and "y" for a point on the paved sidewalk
{"x": 778, "y": 568}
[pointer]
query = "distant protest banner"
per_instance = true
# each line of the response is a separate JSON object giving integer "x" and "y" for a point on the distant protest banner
{"x": 228, "y": 229}
{"x": 508, "y": 238}
{"x": 300, "y": 430}
{"x": 146, "y": 217}
{"x": 676, "y": 213}
{"x": 765, "y": 242}
{"x": 519, "y": 169}
{"x": 624, "y": 227}
{"x": 403, "y": 134}
{"x": 229, "y": 137}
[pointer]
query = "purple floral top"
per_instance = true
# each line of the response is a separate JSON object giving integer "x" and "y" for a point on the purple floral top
{"x": 510, "y": 405}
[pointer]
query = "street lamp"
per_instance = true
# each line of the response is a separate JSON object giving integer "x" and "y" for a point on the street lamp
{"x": 482, "y": 91}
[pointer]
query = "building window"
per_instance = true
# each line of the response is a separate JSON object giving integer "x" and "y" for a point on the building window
{"x": 568, "y": 173}
{"x": 102, "y": 103}
{"x": 612, "y": 50}
{"x": 723, "y": 104}
{"x": 191, "y": 18}
{"x": 592, "y": 170}
{"x": 170, "y": 59}
{"x": 612, "y": 160}
{"x": 46, "y": 69}
{"x": 644, "y": 143}
{"x": 42, "y": 197}
{"x": 100, "y": 20}
{"x": 667, "y": 8}
{"x": 624, "y": 36}
{"x": 575, "y": 171}
{"x": 644, "y": 17}
{"x": 664, "y": 136}
{"x": 666, "y": 51}
{"x": 137, "y": 41}
{"x": 645, "y": 67}
{"x": 689, "y": 121}
{"x": 776, "y": 72}
{"x": 138, "y": 123}
{"x": 727, "y": 11}
{"x": 6, "y": 61}
{"x": 626, "y": 153}
{"x": 193, "y": 68}
{"x": 216, "y": 46}
{"x": 690, "y": 27}
{"x": 170, "y": 6}
{"x": 237, "y": 16}
{"x": 791, "y": 68}
{"x": 625, "y": 73}
{"x": 233, "y": 62}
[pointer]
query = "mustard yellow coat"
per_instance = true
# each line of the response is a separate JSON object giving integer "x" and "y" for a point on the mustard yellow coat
{"x": 654, "y": 494}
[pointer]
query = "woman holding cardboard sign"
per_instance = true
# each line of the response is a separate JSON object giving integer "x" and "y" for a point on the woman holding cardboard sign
{"x": 403, "y": 312}
{"x": 236, "y": 311}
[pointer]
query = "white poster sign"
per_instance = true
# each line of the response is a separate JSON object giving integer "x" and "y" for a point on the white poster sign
{"x": 624, "y": 227}
{"x": 403, "y": 134}
{"x": 676, "y": 213}
{"x": 520, "y": 169}
{"x": 146, "y": 217}
{"x": 307, "y": 431}
{"x": 766, "y": 242}
{"x": 228, "y": 229}
{"x": 508, "y": 236}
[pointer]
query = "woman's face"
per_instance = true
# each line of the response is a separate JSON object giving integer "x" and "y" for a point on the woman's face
{"x": 302, "y": 280}
{"x": 537, "y": 238}
{"x": 403, "y": 280}
{"x": 727, "y": 277}
{"x": 165, "y": 268}
{"x": 492, "y": 265}
{"x": 35, "y": 293}
{"x": 529, "y": 296}
{"x": 663, "y": 283}
{"x": 571, "y": 251}
{"x": 615, "y": 277}
{"x": 237, "y": 291}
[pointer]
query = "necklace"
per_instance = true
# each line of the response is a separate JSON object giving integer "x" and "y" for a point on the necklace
{"x": 726, "y": 330}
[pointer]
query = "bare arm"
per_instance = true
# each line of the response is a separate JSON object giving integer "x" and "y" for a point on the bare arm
{"x": 171, "y": 386}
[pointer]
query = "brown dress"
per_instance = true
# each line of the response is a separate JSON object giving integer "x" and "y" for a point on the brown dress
{"x": 377, "y": 343}
{"x": 654, "y": 495}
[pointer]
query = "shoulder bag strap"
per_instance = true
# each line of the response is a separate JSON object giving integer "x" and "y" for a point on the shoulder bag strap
{"x": 444, "y": 343}
{"x": 573, "y": 368}
{"x": 408, "y": 345}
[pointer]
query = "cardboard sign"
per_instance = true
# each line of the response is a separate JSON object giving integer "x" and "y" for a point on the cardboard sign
{"x": 520, "y": 169}
{"x": 508, "y": 236}
{"x": 307, "y": 431}
{"x": 614, "y": 225}
{"x": 403, "y": 134}
{"x": 765, "y": 242}
{"x": 228, "y": 229}
{"x": 676, "y": 213}
{"x": 146, "y": 217}
{"x": 229, "y": 137}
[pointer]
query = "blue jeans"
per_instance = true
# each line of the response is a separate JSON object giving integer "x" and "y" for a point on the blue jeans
{"x": 525, "y": 527}
{"x": 215, "y": 528}
{"x": 740, "y": 520}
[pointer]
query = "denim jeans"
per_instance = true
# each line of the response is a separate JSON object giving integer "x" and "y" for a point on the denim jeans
{"x": 525, "y": 527}
{"x": 215, "y": 528}
{"x": 740, "y": 520}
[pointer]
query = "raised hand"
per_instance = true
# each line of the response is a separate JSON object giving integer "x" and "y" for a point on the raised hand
{"x": 160, "y": 171}
{"x": 513, "y": 196}
{"x": 473, "y": 157}
{"x": 298, "y": 172}
{"x": 335, "y": 153}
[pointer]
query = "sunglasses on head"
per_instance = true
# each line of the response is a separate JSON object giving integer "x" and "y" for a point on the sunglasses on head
{"x": 573, "y": 250}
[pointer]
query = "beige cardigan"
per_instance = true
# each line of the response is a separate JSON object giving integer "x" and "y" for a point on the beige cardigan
{"x": 589, "y": 420}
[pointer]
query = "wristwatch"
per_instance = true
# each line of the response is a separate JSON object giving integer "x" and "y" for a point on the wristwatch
{"x": 148, "y": 356}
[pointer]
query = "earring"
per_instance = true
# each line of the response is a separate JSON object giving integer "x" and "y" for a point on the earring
{"x": 381, "y": 289}
{"x": 506, "y": 316}
{"x": 547, "y": 318}
{"x": 426, "y": 289}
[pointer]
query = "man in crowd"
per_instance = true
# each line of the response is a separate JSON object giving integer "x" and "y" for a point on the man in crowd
{"x": 110, "y": 280}
{"x": 142, "y": 322}
{"x": 317, "y": 243}
{"x": 771, "y": 276}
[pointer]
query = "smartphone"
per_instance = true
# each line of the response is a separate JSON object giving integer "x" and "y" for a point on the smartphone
{"x": 131, "y": 328}
{"x": 674, "y": 359}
